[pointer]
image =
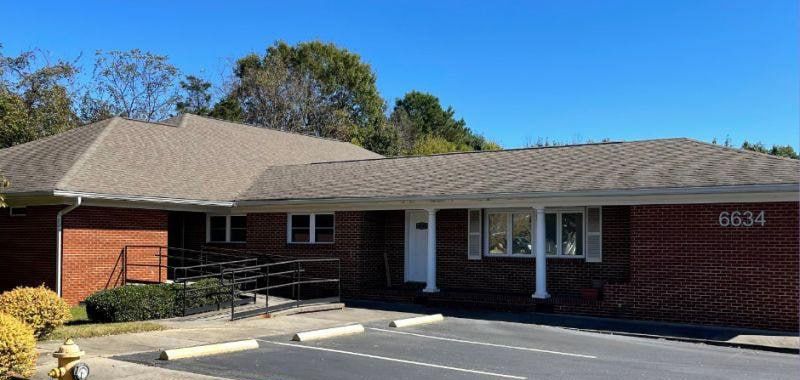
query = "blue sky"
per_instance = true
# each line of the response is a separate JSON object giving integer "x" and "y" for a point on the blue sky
{"x": 564, "y": 70}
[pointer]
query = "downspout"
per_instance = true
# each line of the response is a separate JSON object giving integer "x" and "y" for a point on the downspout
{"x": 59, "y": 228}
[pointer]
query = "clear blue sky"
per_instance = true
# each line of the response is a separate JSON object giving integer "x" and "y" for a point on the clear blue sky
{"x": 566, "y": 70}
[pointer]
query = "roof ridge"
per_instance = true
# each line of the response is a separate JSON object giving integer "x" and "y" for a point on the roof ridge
{"x": 84, "y": 156}
{"x": 271, "y": 129}
{"x": 740, "y": 150}
{"x": 499, "y": 151}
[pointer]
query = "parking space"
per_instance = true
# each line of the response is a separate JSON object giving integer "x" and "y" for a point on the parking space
{"x": 469, "y": 348}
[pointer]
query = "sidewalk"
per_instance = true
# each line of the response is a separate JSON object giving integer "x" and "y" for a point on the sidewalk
{"x": 184, "y": 333}
{"x": 768, "y": 340}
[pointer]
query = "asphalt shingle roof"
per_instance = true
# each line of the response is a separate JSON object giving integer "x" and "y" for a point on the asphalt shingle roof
{"x": 197, "y": 158}
{"x": 188, "y": 157}
{"x": 650, "y": 164}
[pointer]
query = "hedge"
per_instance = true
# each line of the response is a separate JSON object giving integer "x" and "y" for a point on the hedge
{"x": 142, "y": 302}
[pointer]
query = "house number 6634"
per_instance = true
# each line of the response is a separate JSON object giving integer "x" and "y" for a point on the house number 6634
{"x": 741, "y": 218}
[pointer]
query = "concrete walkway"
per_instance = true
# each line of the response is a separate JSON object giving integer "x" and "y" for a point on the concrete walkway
{"x": 184, "y": 333}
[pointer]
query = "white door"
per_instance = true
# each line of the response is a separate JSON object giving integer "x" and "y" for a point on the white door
{"x": 417, "y": 244}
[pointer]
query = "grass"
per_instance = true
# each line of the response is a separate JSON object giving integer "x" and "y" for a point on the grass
{"x": 79, "y": 326}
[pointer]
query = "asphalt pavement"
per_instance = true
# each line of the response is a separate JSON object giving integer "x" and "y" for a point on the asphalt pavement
{"x": 463, "y": 348}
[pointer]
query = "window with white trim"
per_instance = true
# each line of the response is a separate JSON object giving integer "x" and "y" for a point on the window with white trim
{"x": 226, "y": 228}
{"x": 564, "y": 233}
{"x": 310, "y": 228}
{"x": 509, "y": 233}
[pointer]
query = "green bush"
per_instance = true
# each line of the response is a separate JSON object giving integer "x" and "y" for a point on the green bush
{"x": 17, "y": 347}
{"x": 142, "y": 302}
{"x": 40, "y": 308}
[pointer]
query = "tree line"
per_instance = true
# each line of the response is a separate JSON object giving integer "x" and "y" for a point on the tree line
{"x": 312, "y": 88}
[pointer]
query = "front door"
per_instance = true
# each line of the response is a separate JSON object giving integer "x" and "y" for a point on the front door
{"x": 417, "y": 243}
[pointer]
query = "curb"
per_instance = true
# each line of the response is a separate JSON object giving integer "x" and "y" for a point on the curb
{"x": 208, "y": 349}
{"x": 416, "y": 320}
{"x": 720, "y": 343}
{"x": 332, "y": 332}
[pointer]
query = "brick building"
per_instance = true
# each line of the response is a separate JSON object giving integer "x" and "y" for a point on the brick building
{"x": 673, "y": 229}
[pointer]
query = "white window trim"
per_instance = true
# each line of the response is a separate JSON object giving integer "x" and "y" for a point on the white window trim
{"x": 486, "y": 237}
{"x": 227, "y": 229}
{"x": 312, "y": 228}
{"x": 559, "y": 248}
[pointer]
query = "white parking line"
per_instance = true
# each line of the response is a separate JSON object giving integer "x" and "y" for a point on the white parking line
{"x": 396, "y": 360}
{"x": 484, "y": 344}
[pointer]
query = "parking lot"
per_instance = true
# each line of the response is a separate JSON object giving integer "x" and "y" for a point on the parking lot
{"x": 460, "y": 348}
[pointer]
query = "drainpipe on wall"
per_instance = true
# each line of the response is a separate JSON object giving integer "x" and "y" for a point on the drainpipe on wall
{"x": 59, "y": 228}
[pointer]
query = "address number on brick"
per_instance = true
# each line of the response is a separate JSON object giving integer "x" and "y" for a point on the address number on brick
{"x": 742, "y": 218}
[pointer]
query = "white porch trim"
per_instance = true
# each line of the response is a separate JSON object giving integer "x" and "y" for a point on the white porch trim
{"x": 430, "y": 286}
{"x": 541, "y": 258}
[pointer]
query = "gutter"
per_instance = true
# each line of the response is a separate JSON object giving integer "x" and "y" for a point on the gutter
{"x": 59, "y": 243}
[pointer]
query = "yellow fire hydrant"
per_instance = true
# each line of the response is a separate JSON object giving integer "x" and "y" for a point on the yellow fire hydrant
{"x": 69, "y": 368}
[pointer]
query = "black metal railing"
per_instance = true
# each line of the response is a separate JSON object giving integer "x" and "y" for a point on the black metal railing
{"x": 295, "y": 282}
{"x": 241, "y": 277}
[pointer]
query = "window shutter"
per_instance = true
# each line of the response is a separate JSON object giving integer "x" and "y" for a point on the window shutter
{"x": 594, "y": 234}
{"x": 474, "y": 242}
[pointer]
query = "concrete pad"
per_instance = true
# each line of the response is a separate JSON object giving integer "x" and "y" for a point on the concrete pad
{"x": 333, "y": 332}
{"x": 416, "y": 321}
{"x": 208, "y": 349}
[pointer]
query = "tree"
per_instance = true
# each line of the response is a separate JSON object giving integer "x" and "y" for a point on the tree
{"x": 776, "y": 150}
{"x": 3, "y": 184}
{"x": 134, "y": 84}
{"x": 419, "y": 116}
{"x": 312, "y": 87}
{"x": 195, "y": 98}
{"x": 35, "y": 99}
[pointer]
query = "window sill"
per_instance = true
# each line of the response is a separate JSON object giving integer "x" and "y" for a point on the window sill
{"x": 512, "y": 256}
{"x": 309, "y": 243}
{"x": 565, "y": 257}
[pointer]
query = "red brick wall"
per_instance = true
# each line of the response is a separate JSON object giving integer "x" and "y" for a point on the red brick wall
{"x": 686, "y": 268}
{"x": 358, "y": 243}
{"x": 94, "y": 239}
{"x": 28, "y": 248}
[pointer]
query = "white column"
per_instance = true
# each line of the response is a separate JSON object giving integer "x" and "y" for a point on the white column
{"x": 430, "y": 287}
{"x": 541, "y": 259}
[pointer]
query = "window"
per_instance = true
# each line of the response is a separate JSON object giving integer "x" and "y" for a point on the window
{"x": 564, "y": 233}
{"x": 17, "y": 211}
{"x": 226, "y": 228}
{"x": 509, "y": 233}
{"x": 310, "y": 228}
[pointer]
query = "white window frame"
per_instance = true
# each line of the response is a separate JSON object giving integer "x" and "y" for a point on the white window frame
{"x": 559, "y": 248}
{"x": 312, "y": 228}
{"x": 227, "y": 229}
{"x": 509, "y": 233}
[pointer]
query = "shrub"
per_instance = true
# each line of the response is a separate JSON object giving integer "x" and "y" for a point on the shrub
{"x": 142, "y": 302}
{"x": 131, "y": 303}
{"x": 40, "y": 308}
{"x": 17, "y": 347}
